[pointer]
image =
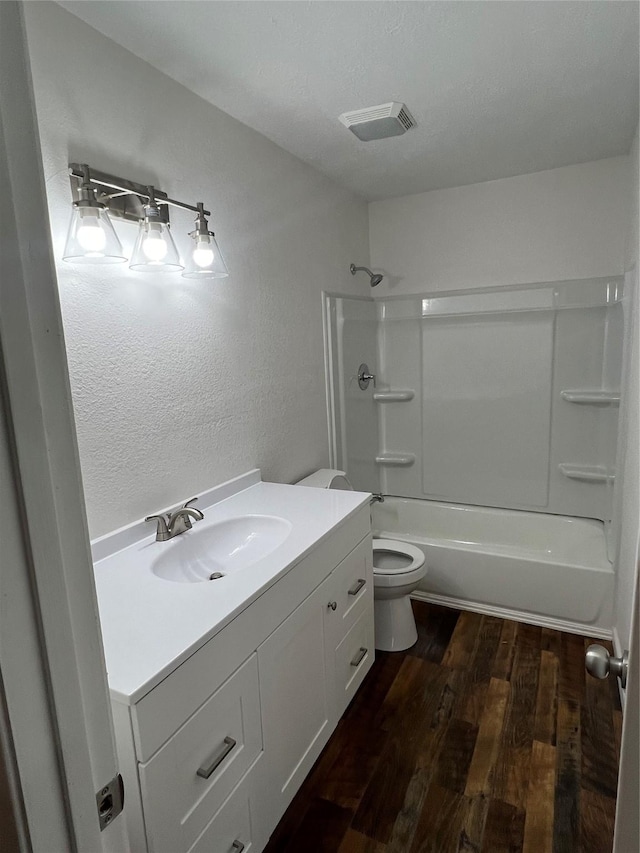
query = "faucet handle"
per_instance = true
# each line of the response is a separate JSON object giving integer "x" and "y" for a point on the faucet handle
{"x": 162, "y": 532}
{"x": 200, "y": 514}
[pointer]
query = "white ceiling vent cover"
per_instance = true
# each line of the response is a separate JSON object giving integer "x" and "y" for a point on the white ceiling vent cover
{"x": 379, "y": 122}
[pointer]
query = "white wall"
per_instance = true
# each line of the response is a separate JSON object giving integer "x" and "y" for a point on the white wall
{"x": 629, "y": 454}
{"x": 548, "y": 226}
{"x": 180, "y": 385}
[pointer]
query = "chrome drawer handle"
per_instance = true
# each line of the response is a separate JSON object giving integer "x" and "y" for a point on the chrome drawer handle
{"x": 359, "y": 657}
{"x": 217, "y": 758}
{"x": 237, "y": 847}
{"x": 355, "y": 589}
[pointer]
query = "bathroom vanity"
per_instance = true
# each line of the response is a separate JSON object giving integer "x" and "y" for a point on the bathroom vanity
{"x": 225, "y": 691}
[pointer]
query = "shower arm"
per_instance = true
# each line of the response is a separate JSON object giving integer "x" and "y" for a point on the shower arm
{"x": 354, "y": 269}
{"x": 375, "y": 278}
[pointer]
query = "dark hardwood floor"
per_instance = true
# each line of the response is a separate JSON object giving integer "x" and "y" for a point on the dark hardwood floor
{"x": 484, "y": 737}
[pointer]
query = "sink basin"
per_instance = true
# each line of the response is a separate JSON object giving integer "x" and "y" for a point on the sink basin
{"x": 220, "y": 549}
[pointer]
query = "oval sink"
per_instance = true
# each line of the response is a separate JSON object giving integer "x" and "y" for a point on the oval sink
{"x": 212, "y": 551}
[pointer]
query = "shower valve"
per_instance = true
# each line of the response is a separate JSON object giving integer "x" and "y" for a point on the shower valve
{"x": 364, "y": 377}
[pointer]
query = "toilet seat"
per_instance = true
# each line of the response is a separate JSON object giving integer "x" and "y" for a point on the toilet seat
{"x": 393, "y": 546}
{"x": 408, "y": 575}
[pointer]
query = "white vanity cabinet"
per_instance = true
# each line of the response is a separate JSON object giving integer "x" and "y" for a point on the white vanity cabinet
{"x": 213, "y": 754}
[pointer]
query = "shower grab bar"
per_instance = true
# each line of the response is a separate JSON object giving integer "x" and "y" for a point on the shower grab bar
{"x": 393, "y": 396}
{"x": 396, "y": 460}
{"x": 586, "y": 473}
{"x": 593, "y": 398}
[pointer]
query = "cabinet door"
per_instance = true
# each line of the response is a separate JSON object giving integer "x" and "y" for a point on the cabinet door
{"x": 296, "y": 705}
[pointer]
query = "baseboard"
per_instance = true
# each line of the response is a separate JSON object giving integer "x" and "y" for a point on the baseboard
{"x": 517, "y": 616}
{"x": 618, "y": 649}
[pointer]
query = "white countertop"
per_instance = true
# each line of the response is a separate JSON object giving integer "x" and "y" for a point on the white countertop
{"x": 151, "y": 625}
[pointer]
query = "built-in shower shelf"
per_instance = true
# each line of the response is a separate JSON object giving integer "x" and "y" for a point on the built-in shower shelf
{"x": 587, "y": 473}
{"x": 399, "y": 396}
{"x": 396, "y": 460}
{"x": 592, "y": 397}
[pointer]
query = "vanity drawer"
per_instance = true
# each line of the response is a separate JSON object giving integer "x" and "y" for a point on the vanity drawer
{"x": 353, "y": 659}
{"x": 233, "y": 829}
{"x": 189, "y": 778}
{"x": 352, "y": 589}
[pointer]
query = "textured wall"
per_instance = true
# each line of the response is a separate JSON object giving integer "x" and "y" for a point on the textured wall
{"x": 180, "y": 385}
{"x": 561, "y": 224}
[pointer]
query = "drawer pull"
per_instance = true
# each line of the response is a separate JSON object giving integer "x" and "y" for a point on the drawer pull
{"x": 359, "y": 657}
{"x": 355, "y": 589}
{"x": 332, "y": 605}
{"x": 237, "y": 847}
{"x": 217, "y": 758}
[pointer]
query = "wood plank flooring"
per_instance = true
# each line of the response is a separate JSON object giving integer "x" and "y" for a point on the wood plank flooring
{"x": 485, "y": 737}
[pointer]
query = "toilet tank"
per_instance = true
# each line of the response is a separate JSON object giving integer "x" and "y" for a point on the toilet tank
{"x": 327, "y": 478}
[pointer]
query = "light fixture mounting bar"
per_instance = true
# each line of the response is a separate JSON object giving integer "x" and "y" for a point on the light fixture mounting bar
{"x": 124, "y": 187}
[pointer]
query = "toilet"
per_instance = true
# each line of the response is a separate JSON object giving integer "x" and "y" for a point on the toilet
{"x": 398, "y": 568}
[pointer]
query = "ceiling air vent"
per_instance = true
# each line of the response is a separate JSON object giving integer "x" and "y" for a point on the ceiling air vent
{"x": 379, "y": 122}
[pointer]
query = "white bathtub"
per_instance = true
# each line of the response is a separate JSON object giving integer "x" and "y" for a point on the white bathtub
{"x": 548, "y": 569}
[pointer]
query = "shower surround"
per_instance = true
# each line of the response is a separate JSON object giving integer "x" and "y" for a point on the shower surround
{"x": 504, "y": 403}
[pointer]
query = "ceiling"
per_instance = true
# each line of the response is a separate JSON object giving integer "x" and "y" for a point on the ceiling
{"x": 496, "y": 88}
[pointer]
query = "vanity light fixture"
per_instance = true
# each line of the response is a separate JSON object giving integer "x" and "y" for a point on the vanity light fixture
{"x": 92, "y": 238}
{"x": 205, "y": 260}
{"x": 155, "y": 250}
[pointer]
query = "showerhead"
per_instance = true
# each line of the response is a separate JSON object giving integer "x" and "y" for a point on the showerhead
{"x": 376, "y": 278}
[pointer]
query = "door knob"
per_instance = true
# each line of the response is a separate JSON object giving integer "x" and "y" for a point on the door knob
{"x": 600, "y": 663}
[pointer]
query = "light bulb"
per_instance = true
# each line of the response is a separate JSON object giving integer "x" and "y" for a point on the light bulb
{"x": 203, "y": 253}
{"x": 154, "y": 245}
{"x": 91, "y": 235}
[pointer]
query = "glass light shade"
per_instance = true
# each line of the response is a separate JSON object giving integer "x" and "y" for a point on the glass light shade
{"x": 91, "y": 238}
{"x": 155, "y": 250}
{"x": 205, "y": 259}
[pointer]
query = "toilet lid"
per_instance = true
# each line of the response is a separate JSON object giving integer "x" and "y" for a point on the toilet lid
{"x": 402, "y": 549}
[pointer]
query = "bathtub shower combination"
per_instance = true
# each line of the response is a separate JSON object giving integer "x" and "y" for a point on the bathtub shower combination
{"x": 489, "y": 420}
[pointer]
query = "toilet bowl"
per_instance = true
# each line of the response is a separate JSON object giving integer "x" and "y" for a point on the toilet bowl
{"x": 398, "y": 568}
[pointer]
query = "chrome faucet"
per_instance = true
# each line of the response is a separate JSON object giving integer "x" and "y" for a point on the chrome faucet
{"x": 176, "y": 522}
{"x": 376, "y": 498}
